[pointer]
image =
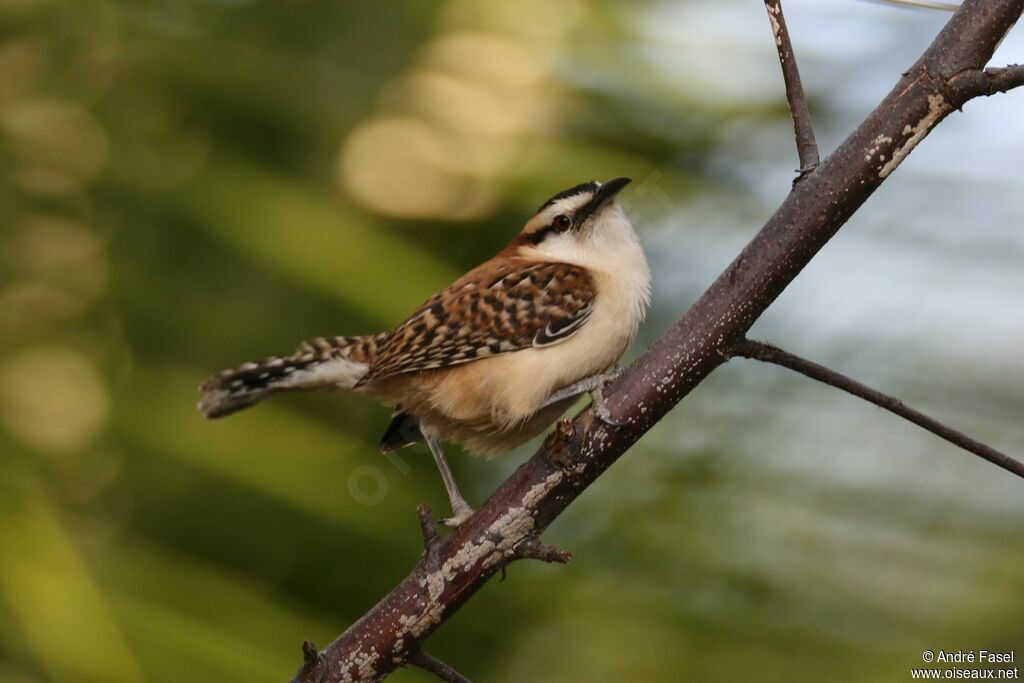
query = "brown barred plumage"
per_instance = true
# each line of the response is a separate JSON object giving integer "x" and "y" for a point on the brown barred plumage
{"x": 477, "y": 362}
{"x": 504, "y": 305}
{"x": 238, "y": 388}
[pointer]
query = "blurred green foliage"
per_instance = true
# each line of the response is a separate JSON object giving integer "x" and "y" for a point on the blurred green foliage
{"x": 189, "y": 184}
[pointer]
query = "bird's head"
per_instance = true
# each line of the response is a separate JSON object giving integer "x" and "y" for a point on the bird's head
{"x": 575, "y": 221}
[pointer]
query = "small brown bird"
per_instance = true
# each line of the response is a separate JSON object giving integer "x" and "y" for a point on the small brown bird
{"x": 494, "y": 359}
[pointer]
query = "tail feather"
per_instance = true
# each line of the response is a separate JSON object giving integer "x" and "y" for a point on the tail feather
{"x": 323, "y": 363}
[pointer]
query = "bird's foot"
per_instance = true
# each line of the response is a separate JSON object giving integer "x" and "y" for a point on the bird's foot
{"x": 462, "y": 511}
{"x": 613, "y": 374}
{"x": 599, "y": 403}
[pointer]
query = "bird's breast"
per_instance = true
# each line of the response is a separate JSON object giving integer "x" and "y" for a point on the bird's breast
{"x": 492, "y": 403}
{"x": 509, "y": 389}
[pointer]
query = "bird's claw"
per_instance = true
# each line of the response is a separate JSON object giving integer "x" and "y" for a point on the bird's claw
{"x": 461, "y": 513}
{"x": 601, "y": 410}
{"x": 600, "y": 406}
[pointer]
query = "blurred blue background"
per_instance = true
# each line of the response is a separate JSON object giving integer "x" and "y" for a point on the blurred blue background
{"x": 189, "y": 184}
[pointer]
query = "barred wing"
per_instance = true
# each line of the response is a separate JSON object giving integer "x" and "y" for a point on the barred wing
{"x": 503, "y": 306}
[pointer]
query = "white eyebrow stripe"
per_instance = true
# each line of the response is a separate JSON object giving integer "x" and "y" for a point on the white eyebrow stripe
{"x": 571, "y": 204}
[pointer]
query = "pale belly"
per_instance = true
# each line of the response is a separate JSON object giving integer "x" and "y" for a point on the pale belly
{"x": 492, "y": 405}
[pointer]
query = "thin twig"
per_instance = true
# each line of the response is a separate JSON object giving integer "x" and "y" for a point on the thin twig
{"x": 1004, "y": 78}
{"x": 428, "y": 527}
{"x": 772, "y": 354}
{"x": 534, "y": 549}
{"x": 311, "y": 662}
{"x": 985, "y": 82}
{"x": 921, "y": 4}
{"x": 806, "y": 146}
{"x": 428, "y": 662}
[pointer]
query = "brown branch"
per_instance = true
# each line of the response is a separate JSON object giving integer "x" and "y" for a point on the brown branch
{"x": 771, "y": 354}
{"x": 806, "y": 146}
{"x": 985, "y": 82}
{"x": 577, "y": 452}
{"x": 428, "y": 662}
{"x": 428, "y": 527}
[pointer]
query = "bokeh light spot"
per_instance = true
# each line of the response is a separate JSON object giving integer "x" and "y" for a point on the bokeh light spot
{"x": 53, "y": 399}
{"x": 393, "y": 167}
{"x": 59, "y": 144}
{"x": 64, "y": 252}
{"x": 489, "y": 58}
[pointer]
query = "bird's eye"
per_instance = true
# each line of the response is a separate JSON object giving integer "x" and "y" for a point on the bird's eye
{"x": 562, "y": 222}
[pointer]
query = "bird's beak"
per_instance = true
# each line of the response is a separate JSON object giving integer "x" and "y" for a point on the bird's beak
{"x": 605, "y": 195}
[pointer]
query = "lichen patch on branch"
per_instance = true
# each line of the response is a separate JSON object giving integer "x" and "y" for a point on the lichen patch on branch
{"x": 538, "y": 491}
{"x": 938, "y": 107}
{"x": 773, "y": 16}
{"x": 876, "y": 145}
{"x": 496, "y": 544}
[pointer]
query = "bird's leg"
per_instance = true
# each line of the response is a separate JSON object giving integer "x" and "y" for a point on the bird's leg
{"x": 460, "y": 508}
{"x": 585, "y": 385}
{"x": 594, "y": 385}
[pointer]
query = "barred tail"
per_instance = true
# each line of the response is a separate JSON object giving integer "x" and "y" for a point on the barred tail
{"x": 323, "y": 363}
